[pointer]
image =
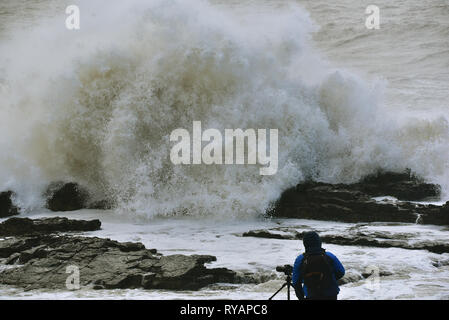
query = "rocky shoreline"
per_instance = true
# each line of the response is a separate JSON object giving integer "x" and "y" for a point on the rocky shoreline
{"x": 39, "y": 252}
{"x": 308, "y": 200}
{"x": 358, "y": 238}
{"x": 35, "y": 253}
{"x": 354, "y": 202}
{"x": 7, "y": 208}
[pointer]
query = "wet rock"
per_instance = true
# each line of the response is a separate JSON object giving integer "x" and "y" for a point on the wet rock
{"x": 338, "y": 202}
{"x": 66, "y": 197}
{"x": 11, "y": 246}
{"x": 254, "y": 278}
{"x": 71, "y": 196}
{"x": 24, "y": 226}
{"x": 367, "y": 241}
{"x": 358, "y": 239}
{"x": 367, "y": 275}
{"x": 269, "y": 235}
{"x": 439, "y": 263}
{"x": 7, "y": 208}
{"x": 352, "y": 277}
{"x": 445, "y": 208}
{"x": 187, "y": 272}
{"x": 103, "y": 264}
{"x": 27, "y": 255}
{"x": 404, "y": 186}
{"x": 349, "y": 277}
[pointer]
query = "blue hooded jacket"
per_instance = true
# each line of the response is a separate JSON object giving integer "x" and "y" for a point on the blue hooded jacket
{"x": 312, "y": 244}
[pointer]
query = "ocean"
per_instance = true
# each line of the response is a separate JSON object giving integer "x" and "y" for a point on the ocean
{"x": 97, "y": 106}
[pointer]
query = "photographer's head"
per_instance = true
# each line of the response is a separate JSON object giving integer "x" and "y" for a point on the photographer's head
{"x": 312, "y": 242}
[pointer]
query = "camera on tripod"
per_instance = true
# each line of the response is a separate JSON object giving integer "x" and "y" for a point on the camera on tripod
{"x": 286, "y": 269}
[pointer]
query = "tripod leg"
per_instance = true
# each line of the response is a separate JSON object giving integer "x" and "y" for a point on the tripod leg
{"x": 283, "y": 286}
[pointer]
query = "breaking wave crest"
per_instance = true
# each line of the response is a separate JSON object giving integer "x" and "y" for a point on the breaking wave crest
{"x": 97, "y": 107}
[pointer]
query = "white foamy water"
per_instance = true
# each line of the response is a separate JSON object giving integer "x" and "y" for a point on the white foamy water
{"x": 412, "y": 274}
{"x": 97, "y": 106}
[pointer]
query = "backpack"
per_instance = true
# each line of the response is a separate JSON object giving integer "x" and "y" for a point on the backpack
{"x": 317, "y": 273}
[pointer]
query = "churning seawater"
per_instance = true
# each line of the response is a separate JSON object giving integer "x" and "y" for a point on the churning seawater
{"x": 97, "y": 106}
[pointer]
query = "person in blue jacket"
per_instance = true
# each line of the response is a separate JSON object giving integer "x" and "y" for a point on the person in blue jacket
{"x": 315, "y": 273}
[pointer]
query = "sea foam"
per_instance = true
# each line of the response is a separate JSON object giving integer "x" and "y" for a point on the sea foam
{"x": 97, "y": 106}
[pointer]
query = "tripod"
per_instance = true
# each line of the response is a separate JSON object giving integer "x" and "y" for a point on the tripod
{"x": 287, "y": 283}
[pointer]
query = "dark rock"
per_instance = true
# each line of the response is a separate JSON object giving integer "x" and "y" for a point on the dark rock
{"x": 366, "y": 275}
{"x": 24, "y": 226}
{"x": 349, "y": 277}
{"x": 445, "y": 208}
{"x": 13, "y": 246}
{"x": 439, "y": 263}
{"x": 186, "y": 272}
{"x": 404, "y": 186}
{"x": 12, "y": 259}
{"x": 254, "y": 278}
{"x": 7, "y": 208}
{"x": 359, "y": 239}
{"x": 66, "y": 197}
{"x": 338, "y": 202}
{"x": 268, "y": 235}
{"x": 103, "y": 264}
{"x": 27, "y": 255}
{"x": 335, "y": 203}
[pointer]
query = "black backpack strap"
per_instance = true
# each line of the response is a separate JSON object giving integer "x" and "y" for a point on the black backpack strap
{"x": 303, "y": 263}
{"x": 328, "y": 261}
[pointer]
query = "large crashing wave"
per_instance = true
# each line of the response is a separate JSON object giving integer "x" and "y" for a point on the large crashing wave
{"x": 97, "y": 106}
